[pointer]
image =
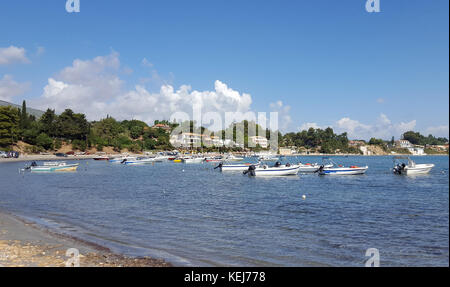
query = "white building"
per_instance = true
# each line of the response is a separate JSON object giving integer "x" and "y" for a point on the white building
{"x": 186, "y": 140}
{"x": 403, "y": 144}
{"x": 261, "y": 141}
{"x": 417, "y": 150}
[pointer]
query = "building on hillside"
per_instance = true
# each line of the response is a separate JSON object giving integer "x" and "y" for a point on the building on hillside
{"x": 162, "y": 126}
{"x": 403, "y": 144}
{"x": 417, "y": 150}
{"x": 287, "y": 151}
{"x": 356, "y": 143}
{"x": 186, "y": 140}
{"x": 259, "y": 140}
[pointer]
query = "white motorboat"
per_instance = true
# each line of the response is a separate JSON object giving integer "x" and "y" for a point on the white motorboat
{"x": 411, "y": 168}
{"x": 121, "y": 159}
{"x": 336, "y": 169}
{"x": 232, "y": 157}
{"x": 268, "y": 157}
{"x": 277, "y": 170}
{"x": 52, "y": 167}
{"x": 138, "y": 161}
{"x": 310, "y": 168}
{"x": 190, "y": 160}
{"x": 234, "y": 167}
{"x": 214, "y": 159}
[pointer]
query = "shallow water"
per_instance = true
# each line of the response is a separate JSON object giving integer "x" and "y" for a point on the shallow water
{"x": 194, "y": 215}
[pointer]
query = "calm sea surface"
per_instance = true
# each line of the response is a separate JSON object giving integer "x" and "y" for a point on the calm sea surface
{"x": 194, "y": 215}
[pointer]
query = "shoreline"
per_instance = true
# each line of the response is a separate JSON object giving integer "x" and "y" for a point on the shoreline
{"x": 88, "y": 157}
{"x": 26, "y": 244}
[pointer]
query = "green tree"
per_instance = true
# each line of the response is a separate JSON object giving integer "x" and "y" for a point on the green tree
{"x": 48, "y": 122}
{"x": 9, "y": 126}
{"x": 44, "y": 141}
{"x": 24, "y": 116}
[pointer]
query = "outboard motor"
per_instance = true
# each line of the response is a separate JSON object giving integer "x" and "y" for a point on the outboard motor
{"x": 320, "y": 170}
{"x": 219, "y": 166}
{"x": 124, "y": 161}
{"x": 251, "y": 170}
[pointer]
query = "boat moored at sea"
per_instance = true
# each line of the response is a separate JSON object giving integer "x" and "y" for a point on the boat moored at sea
{"x": 190, "y": 160}
{"x": 311, "y": 168}
{"x": 52, "y": 167}
{"x": 138, "y": 161}
{"x": 235, "y": 167}
{"x": 411, "y": 168}
{"x": 277, "y": 170}
{"x": 337, "y": 169}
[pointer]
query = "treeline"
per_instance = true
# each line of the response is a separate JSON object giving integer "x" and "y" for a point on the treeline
{"x": 51, "y": 131}
{"x": 419, "y": 139}
{"x": 323, "y": 141}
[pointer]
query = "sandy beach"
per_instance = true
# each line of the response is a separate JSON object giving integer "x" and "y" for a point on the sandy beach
{"x": 23, "y": 244}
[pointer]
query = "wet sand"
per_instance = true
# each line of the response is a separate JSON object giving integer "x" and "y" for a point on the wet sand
{"x": 24, "y": 244}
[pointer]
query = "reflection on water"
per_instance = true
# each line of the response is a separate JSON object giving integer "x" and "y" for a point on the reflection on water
{"x": 194, "y": 215}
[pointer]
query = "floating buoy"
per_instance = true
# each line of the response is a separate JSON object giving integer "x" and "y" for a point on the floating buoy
{"x": 304, "y": 197}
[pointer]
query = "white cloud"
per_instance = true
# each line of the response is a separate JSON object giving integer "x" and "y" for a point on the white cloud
{"x": 284, "y": 117}
{"x": 380, "y": 100}
{"x": 12, "y": 54}
{"x": 383, "y": 128}
{"x": 307, "y": 126}
{"x": 146, "y": 63}
{"x": 93, "y": 87}
{"x": 438, "y": 131}
{"x": 9, "y": 89}
{"x": 86, "y": 86}
{"x": 40, "y": 50}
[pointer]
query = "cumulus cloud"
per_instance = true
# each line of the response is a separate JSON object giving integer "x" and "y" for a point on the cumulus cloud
{"x": 383, "y": 128}
{"x": 40, "y": 50}
{"x": 284, "y": 117}
{"x": 85, "y": 86}
{"x": 307, "y": 126}
{"x": 12, "y": 55}
{"x": 9, "y": 88}
{"x": 93, "y": 87}
{"x": 438, "y": 131}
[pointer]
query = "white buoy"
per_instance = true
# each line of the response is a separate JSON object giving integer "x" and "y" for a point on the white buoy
{"x": 304, "y": 197}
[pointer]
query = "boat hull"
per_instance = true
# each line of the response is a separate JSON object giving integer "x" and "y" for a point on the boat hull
{"x": 235, "y": 167}
{"x": 67, "y": 168}
{"x": 344, "y": 171}
{"x": 193, "y": 160}
{"x": 275, "y": 171}
{"x": 419, "y": 169}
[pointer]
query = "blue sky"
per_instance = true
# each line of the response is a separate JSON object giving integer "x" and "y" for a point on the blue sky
{"x": 320, "y": 63}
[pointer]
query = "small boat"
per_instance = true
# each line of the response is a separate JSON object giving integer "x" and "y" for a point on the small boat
{"x": 101, "y": 158}
{"x": 214, "y": 159}
{"x": 178, "y": 160}
{"x": 411, "y": 168}
{"x": 235, "y": 167}
{"x": 268, "y": 157}
{"x": 332, "y": 168}
{"x": 232, "y": 157}
{"x": 138, "y": 161}
{"x": 121, "y": 159}
{"x": 52, "y": 167}
{"x": 311, "y": 168}
{"x": 193, "y": 159}
{"x": 277, "y": 170}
